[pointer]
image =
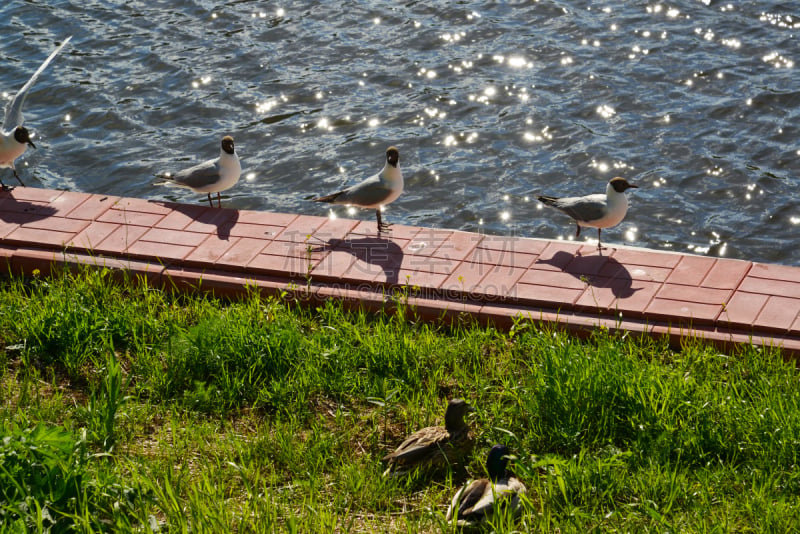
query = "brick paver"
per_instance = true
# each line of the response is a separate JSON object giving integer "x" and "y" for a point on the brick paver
{"x": 442, "y": 273}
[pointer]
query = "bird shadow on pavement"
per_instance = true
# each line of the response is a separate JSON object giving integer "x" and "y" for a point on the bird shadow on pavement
{"x": 223, "y": 219}
{"x": 15, "y": 211}
{"x": 374, "y": 251}
{"x": 598, "y": 271}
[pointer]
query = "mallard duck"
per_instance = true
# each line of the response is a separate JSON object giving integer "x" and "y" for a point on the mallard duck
{"x": 435, "y": 446}
{"x": 475, "y": 502}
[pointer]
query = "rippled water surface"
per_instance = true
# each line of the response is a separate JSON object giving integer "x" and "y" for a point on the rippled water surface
{"x": 490, "y": 103}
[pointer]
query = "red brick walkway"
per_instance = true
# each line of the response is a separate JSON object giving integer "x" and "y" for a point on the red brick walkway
{"x": 446, "y": 272}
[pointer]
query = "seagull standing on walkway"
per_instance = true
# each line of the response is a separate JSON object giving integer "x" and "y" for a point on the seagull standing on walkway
{"x": 595, "y": 211}
{"x": 376, "y": 191}
{"x": 212, "y": 176}
{"x": 14, "y": 137}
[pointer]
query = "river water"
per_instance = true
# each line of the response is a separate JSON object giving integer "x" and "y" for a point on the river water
{"x": 490, "y": 103}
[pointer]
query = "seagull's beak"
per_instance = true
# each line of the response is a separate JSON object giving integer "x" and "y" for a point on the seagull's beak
{"x": 30, "y": 144}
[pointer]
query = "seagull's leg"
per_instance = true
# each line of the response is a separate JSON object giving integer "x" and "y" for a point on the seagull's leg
{"x": 219, "y": 200}
{"x": 578, "y": 232}
{"x": 5, "y": 187}
{"x": 17, "y": 176}
{"x": 382, "y": 226}
{"x": 599, "y": 246}
{"x": 210, "y": 201}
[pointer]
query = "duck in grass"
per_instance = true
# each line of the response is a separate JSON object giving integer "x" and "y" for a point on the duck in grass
{"x": 476, "y": 502}
{"x": 435, "y": 446}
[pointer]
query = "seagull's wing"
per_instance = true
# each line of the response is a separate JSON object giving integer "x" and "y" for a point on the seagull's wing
{"x": 13, "y": 116}
{"x": 201, "y": 175}
{"x": 588, "y": 208}
{"x": 367, "y": 193}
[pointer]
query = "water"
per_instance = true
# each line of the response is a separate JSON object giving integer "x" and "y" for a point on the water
{"x": 490, "y": 103}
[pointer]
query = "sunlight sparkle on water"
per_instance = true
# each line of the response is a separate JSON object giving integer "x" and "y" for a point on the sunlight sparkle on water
{"x": 543, "y": 135}
{"x": 505, "y": 216}
{"x": 794, "y": 220}
{"x": 202, "y": 81}
{"x": 267, "y": 105}
{"x": 518, "y": 62}
{"x": 606, "y": 111}
{"x": 453, "y": 37}
{"x": 250, "y": 176}
{"x": 778, "y": 61}
{"x": 781, "y": 21}
{"x": 731, "y": 43}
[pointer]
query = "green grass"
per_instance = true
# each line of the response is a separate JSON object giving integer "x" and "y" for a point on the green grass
{"x": 128, "y": 408}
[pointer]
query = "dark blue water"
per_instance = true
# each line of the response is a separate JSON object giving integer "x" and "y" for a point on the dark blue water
{"x": 490, "y": 103}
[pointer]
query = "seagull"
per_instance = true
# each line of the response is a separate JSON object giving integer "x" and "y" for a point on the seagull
{"x": 435, "y": 446}
{"x": 595, "y": 211}
{"x": 475, "y": 502}
{"x": 14, "y": 137}
{"x": 376, "y": 191}
{"x": 211, "y": 176}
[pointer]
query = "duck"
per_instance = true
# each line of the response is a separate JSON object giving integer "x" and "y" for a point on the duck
{"x": 435, "y": 446}
{"x": 475, "y": 502}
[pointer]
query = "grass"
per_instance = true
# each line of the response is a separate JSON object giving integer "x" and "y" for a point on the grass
{"x": 128, "y": 408}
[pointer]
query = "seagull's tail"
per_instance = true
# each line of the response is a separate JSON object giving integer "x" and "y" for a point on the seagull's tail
{"x": 550, "y": 201}
{"x": 328, "y": 198}
{"x": 164, "y": 179}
